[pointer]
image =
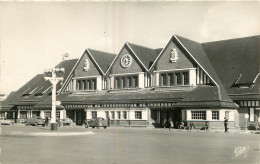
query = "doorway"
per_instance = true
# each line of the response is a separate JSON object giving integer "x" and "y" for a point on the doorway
{"x": 173, "y": 113}
{"x": 80, "y": 117}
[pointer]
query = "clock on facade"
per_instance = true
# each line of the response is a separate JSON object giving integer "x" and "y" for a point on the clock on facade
{"x": 126, "y": 60}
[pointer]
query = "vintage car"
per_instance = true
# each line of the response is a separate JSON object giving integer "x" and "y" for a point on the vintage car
{"x": 67, "y": 122}
{"x": 34, "y": 121}
{"x": 5, "y": 121}
{"x": 96, "y": 122}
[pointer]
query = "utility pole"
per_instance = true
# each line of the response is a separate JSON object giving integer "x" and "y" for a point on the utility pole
{"x": 54, "y": 75}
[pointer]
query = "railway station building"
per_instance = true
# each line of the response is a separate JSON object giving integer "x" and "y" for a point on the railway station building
{"x": 186, "y": 81}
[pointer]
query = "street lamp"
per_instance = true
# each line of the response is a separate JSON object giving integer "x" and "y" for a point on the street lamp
{"x": 54, "y": 75}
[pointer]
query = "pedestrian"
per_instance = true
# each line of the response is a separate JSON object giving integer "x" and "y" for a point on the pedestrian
{"x": 226, "y": 124}
{"x": 170, "y": 123}
{"x": 191, "y": 125}
{"x": 164, "y": 123}
{"x": 98, "y": 122}
{"x": 207, "y": 126}
{"x": 108, "y": 121}
{"x": 46, "y": 121}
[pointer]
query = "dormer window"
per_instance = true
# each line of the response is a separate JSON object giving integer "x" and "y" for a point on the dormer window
{"x": 86, "y": 65}
{"x": 173, "y": 55}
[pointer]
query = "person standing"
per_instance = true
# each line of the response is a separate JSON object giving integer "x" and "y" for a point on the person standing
{"x": 46, "y": 121}
{"x": 170, "y": 123}
{"x": 108, "y": 121}
{"x": 226, "y": 124}
{"x": 164, "y": 123}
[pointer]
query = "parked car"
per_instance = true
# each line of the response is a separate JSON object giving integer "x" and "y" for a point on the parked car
{"x": 34, "y": 121}
{"x": 67, "y": 122}
{"x": 5, "y": 121}
{"x": 96, "y": 122}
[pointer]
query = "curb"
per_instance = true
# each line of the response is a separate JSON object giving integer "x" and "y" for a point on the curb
{"x": 20, "y": 133}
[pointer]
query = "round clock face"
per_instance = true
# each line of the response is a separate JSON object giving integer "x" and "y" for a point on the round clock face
{"x": 126, "y": 60}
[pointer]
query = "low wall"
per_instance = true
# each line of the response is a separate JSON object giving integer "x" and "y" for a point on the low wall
{"x": 212, "y": 124}
{"x": 128, "y": 123}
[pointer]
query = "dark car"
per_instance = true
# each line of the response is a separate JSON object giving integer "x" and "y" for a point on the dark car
{"x": 34, "y": 121}
{"x": 96, "y": 122}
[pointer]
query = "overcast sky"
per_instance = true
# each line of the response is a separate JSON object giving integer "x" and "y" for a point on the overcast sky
{"x": 34, "y": 35}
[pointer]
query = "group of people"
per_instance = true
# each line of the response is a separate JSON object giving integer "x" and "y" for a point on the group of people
{"x": 170, "y": 124}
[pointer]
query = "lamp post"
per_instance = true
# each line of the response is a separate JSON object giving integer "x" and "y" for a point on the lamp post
{"x": 54, "y": 75}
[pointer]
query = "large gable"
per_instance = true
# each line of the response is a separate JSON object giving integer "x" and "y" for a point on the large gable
{"x": 196, "y": 53}
{"x": 126, "y": 55}
{"x": 93, "y": 63}
{"x": 166, "y": 61}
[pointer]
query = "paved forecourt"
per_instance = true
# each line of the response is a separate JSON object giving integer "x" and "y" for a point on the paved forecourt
{"x": 126, "y": 145}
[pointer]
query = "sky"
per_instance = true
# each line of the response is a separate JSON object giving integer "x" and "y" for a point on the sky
{"x": 35, "y": 35}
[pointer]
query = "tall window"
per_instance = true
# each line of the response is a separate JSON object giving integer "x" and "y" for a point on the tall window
{"x": 178, "y": 78}
{"x": 129, "y": 82}
{"x": 107, "y": 114}
{"x": 119, "y": 115}
{"x": 124, "y": 82}
{"x": 117, "y": 82}
{"x": 171, "y": 79}
{"x": 94, "y": 114}
{"x": 185, "y": 78}
{"x": 84, "y": 85}
{"x": 113, "y": 114}
{"x": 198, "y": 115}
{"x": 79, "y": 86}
{"x": 135, "y": 81}
{"x": 227, "y": 114}
{"x": 215, "y": 115}
{"x": 124, "y": 114}
{"x": 138, "y": 114}
{"x": 164, "y": 79}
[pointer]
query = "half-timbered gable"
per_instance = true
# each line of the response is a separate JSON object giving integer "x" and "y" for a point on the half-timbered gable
{"x": 89, "y": 72}
{"x": 129, "y": 69}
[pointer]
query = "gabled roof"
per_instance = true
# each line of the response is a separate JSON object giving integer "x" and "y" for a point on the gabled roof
{"x": 33, "y": 91}
{"x": 237, "y": 62}
{"x": 146, "y": 55}
{"x": 102, "y": 59}
{"x": 5, "y": 103}
{"x": 200, "y": 96}
{"x": 198, "y": 55}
